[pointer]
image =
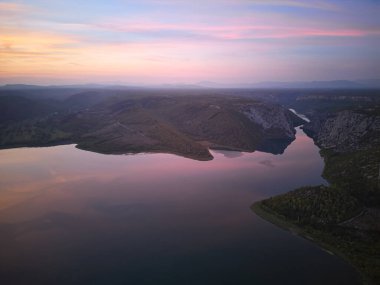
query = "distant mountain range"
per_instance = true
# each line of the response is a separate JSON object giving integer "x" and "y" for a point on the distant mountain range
{"x": 339, "y": 84}
{"x": 332, "y": 84}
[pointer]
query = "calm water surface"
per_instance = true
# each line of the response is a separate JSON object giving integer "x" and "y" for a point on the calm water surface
{"x": 69, "y": 216}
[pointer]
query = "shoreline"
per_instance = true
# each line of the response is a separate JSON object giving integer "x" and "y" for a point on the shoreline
{"x": 309, "y": 234}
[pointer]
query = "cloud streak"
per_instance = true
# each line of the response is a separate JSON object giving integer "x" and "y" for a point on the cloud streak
{"x": 322, "y": 5}
{"x": 228, "y": 32}
{"x": 9, "y": 7}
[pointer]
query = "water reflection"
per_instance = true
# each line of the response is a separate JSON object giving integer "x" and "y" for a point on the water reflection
{"x": 274, "y": 146}
{"x": 74, "y": 217}
{"x": 229, "y": 154}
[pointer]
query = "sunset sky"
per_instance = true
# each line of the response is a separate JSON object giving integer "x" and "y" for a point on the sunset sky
{"x": 163, "y": 41}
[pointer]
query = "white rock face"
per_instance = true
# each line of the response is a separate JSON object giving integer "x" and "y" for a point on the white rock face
{"x": 347, "y": 130}
{"x": 271, "y": 118}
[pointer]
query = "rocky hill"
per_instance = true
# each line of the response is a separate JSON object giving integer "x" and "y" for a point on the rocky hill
{"x": 183, "y": 125}
{"x": 347, "y": 130}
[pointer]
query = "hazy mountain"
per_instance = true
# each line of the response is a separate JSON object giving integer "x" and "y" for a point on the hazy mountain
{"x": 332, "y": 84}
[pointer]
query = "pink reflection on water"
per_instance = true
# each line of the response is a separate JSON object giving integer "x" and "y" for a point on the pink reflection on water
{"x": 59, "y": 203}
{"x": 35, "y": 181}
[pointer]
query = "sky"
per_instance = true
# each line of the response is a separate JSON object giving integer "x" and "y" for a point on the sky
{"x": 171, "y": 41}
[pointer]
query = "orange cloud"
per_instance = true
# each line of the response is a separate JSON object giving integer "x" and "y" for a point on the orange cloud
{"x": 26, "y": 51}
{"x": 12, "y": 7}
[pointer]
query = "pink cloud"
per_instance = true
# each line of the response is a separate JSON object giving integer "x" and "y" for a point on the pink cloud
{"x": 232, "y": 32}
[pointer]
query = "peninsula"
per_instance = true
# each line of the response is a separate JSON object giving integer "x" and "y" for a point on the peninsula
{"x": 120, "y": 122}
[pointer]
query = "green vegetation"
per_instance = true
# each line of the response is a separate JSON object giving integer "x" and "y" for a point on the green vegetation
{"x": 358, "y": 247}
{"x": 357, "y": 172}
{"x": 343, "y": 217}
{"x": 32, "y": 133}
{"x": 315, "y": 206}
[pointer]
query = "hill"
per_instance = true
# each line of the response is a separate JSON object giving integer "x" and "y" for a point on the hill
{"x": 125, "y": 122}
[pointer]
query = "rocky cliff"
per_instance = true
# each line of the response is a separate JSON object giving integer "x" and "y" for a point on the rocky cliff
{"x": 344, "y": 131}
{"x": 271, "y": 118}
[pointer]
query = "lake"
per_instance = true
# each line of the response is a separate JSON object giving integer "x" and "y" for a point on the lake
{"x": 69, "y": 216}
